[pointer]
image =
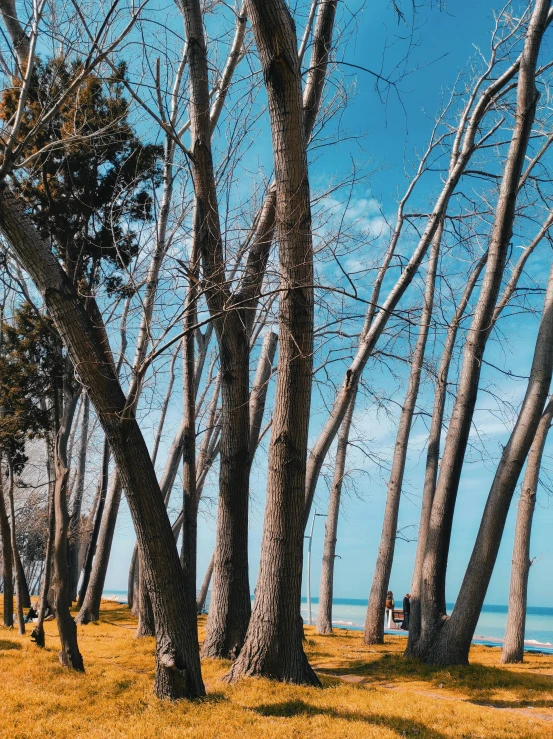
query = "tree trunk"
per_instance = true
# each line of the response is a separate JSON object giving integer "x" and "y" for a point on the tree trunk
{"x": 37, "y": 634}
{"x": 326, "y": 591}
{"x": 231, "y": 592}
{"x": 146, "y": 623}
{"x": 374, "y": 621}
{"x": 75, "y": 521}
{"x": 273, "y": 645}
{"x": 452, "y": 643}
{"x": 260, "y": 386}
{"x": 24, "y": 585}
{"x": 90, "y": 609}
{"x": 93, "y": 541}
{"x": 178, "y": 672}
{"x": 230, "y": 606}
{"x": 189, "y": 487}
{"x": 433, "y": 456}
{"x": 258, "y": 396}
{"x": 69, "y": 655}
{"x": 7, "y": 559}
{"x": 200, "y": 603}
{"x": 513, "y": 645}
{"x": 13, "y": 545}
{"x": 439, "y": 531}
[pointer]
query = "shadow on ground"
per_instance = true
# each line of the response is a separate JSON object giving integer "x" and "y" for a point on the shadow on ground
{"x": 6, "y": 644}
{"x": 483, "y": 681}
{"x": 405, "y": 727}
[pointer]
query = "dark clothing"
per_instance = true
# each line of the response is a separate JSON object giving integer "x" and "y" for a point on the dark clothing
{"x": 30, "y": 615}
{"x": 406, "y": 613}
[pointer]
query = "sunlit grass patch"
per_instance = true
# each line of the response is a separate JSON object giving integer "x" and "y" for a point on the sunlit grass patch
{"x": 367, "y": 692}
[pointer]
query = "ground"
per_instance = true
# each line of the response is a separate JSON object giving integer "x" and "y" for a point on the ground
{"x": 367, "y": 692}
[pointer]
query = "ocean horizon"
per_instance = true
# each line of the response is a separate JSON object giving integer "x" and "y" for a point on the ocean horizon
{"x": 349, "y": 613}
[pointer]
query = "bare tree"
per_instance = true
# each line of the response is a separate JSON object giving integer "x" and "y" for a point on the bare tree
{"x": 326, "y": 590}
{"x": 513, "y": 644}
{"x": 439, "y": 531}
{"x": 273, "y": 644}
{"x": 374, "y": 622}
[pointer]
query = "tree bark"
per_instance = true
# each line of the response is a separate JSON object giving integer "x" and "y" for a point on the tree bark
{"x": 200, "y": 603}
{"x": 90, "y": 609}
{"x": 189, "y": 487}
{"x": 374, "y": 621}
{"x": 146, "y": 623}
{"x": 326, "y": 590}
{"x": 178, "y": 672}
{"x": 69, "y": 655}
{"x": 231, "y": 590}
{"x": 24, "y": 585}
{"x": 37, "y": 634}
{"x": 93, "y": 541}
{"x": 273, "y": 645}
{"x": 75, "y": 520}
{"x": 13, "y": 544}
{"x": 20, "y": 40}
{"x": 230, "y": 604}
{"x": 7, "y": 560}
{"x": 513, "y": 644}
{"x": 439, "y": 531}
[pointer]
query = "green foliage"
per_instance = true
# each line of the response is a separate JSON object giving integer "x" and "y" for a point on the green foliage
{"x": 31, "y": 372}
{"x": 89, "y": 184}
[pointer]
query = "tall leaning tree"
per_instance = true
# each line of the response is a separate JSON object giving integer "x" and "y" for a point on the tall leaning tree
{"x": 439, "y": 531}
{"x": 273, "y": 645}
{"x": 513, "y": 644}
{"x": 83, "y": 333}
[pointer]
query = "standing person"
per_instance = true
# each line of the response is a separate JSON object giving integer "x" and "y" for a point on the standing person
{"x": 389, "y": 609}
{"x": 406, "y": 611}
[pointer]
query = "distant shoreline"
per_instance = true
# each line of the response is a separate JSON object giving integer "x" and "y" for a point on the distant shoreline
{"x": 530, "y": 645}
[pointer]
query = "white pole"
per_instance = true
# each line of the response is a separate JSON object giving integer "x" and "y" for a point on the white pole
{"x": 310, "y": 537}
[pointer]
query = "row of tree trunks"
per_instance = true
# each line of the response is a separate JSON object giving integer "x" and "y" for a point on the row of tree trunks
{"x": 430, "y": 644}
{"x": 513, "y": 644}
{"x": 178, "y": 672}
{"x": 454, "y": 639}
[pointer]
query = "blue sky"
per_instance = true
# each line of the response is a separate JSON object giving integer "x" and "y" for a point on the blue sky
{"x": 393, "y": 130}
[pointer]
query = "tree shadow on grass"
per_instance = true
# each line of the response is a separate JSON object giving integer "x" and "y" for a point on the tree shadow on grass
{"x": 538, "y": 703}
{"x": 482, "y": 679}
{"x": 403, "y": 726}
{"x": 117, "y": 614}
{"x": 6, "y": 644}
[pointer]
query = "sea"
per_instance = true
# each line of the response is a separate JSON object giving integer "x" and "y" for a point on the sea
{"x": 349, "y": 613}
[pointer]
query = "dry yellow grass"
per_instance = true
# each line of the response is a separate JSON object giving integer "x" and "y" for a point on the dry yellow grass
{"x": 367, "y": 692}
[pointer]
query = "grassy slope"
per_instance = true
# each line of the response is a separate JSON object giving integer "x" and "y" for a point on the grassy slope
{"x": 368, "y": 692}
